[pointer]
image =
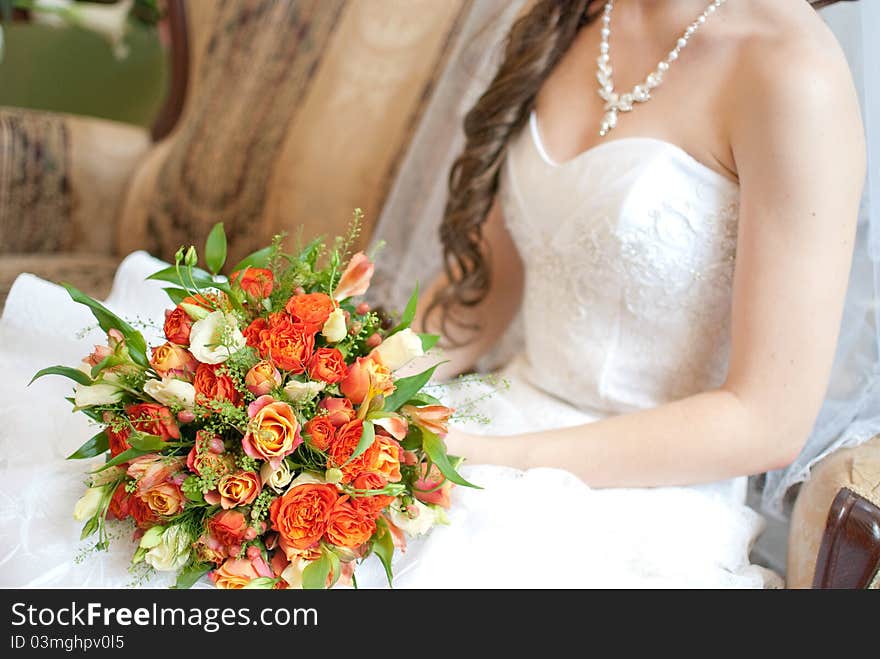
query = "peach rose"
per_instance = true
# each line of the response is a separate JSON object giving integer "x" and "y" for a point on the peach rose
{"x": 300, "y": 516}
{"x": 238, "y": 489}
{"x": 434, "y": 418}
{"x": 153, "y": 469}
{"x": 153, "y": 419}
{"x": 237, "y": 573}
{"x": 342, "y": 448}
{"x": 366, "y": 378}
{"x": 262, "y": 378}
{"x": 394, "y": 425}
{"x": 228, "y": 527}
{"x": 273, "y": 432}
{"x": 171, "y": 360}
{"x": 212, "y": 383}
{"x": 311, "y": 309}
{"x": 327, "y": 365}
{"x": 432, "y": 487}
{"x": 164, "y": 499}
{"x": 208, "y": 456}
{"x": 177, "y": 326}
{"x": 256, "y": 282}
{"x": 321, "y": 432}
{"x": 351, "y": 523}
{"x": 339, "y": 410}
{"x": 356, "y": 278}
{"x": 388, "y": 459}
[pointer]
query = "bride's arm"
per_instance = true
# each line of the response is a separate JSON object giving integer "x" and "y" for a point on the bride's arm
{"x": 798, "y": 145}
{"x": 494, "y": 314}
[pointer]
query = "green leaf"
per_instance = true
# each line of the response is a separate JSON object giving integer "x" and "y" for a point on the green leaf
{"x": 259, "y": 259}
{"x": 409, "y": 313}
{"x": 73, "y": 373}
{"x": 368, "y": 436}
{"x": 315, "y": 574}
{"x": 201, "y": 278}
{"x": 436, "y": 450}
{"x": 413, "y": 439}
{"x": 134, "y": 340}
{"x": 177, "y": 295}
{"x": 421, "y": 399}
{"x": 335, "y": 569}
{"x": 125, "y": 456}
{"x": 108, "y": 362}
{"x": 261, "y": 583}
{"x": 406, "y": 388}
{"x": 90, "y": 527}
{"x": 215, "y": 248}
{"x": 146, "y": 443}
{"x": 95, "y": 446}
{"x": 429, "y": 341}
{"x": 383, "y": 547}
{"x": 190, "y": 574}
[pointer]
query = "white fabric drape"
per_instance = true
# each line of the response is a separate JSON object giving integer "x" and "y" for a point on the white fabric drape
{"x": 411, "y": 217}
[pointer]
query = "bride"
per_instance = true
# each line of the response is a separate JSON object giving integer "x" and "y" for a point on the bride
{"x": 679, "y": 246}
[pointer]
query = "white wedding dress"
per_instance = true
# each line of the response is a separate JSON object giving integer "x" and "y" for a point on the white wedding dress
{"x": 629, "y": 254}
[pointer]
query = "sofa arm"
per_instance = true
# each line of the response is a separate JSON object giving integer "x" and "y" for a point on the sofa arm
{"x": 834, "y": 539}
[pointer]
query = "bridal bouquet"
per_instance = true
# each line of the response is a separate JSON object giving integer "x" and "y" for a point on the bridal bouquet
{"x": 267, "y": 441}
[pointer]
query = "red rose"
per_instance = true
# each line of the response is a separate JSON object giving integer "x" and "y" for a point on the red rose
{"x": 213, "y": 384}
{"x": 252, "y": 332}
{"x": 327, "y": 365}
{"x": 228, "y": 526}
{"x": 311, "y": 309}
{"x": 142, "y": 514}
{"x": 287, "y": 344}
{"x": 153, "y": 419}
{"x": 120, "y": 503}
{"x": 177, "y": 326}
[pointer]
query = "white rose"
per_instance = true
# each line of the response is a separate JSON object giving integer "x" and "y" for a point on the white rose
{"x": 334, "y": 329}
{"x": 277, "y": 479}
{"x": 300, "y": 392}
{"x": 214, "y": 338}
{"x": 424, "y": 519}
{"x": 400, "y": 349}
{"x": 96, "y": 394}
{"x": 171, "y": 552}
{"x": 88, "y": 504}
{"x": 306, "y": 478}
{"x": 171, "y": 391}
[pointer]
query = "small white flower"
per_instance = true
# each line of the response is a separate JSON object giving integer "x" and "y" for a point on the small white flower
{"x": 215, "y": 338}
{"x": 277, "y": 479}
{"x": 171, "y": 391}
{"x": 96, "y": 394}
{"x": 300, "y": 392}
{"x": 425, "y": 517}
{"x": 334, "y": 329}
{"x": 88, "y": 505}
{"x": 399, "y": 349}
{"x": 172, "y": 550}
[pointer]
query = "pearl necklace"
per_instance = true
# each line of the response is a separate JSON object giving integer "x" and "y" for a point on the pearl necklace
{"x": 616, "y": 103}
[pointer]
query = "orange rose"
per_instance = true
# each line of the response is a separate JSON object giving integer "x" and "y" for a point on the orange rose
{"x": 434, "y": 418}
{"x": 370, "y": 480}
{"x": 288, "y": 345}
{"x": 301, "y": 515}
{"x": 366, "y": 378}
{"x": 311, "y": 309}
{"x": 164, "y": 499}
{"x": 208, "y": 456}
{"x": 238, "y": 489}
{"x": 141, "y": 513}
{"x": 273, "y": 432}
{"x": 327, "y": 365}
{"x": 351, "y": 523}
{"x": 212, "y": 383}
{"x": 228, "y": 527}
{"x": 339, "y": 410}
{"x": 118, "y": 439}
{"x": 356, "y": 278}
{"x": 321, "y": 432}
{"x": 153, "y": 419}
{"x": 252, "y": 332}
{"x": 256, "y": 282}
{"x": 171, "y": 360}
{"x": 343, "y": 446}
{"x": 120, "y": 503}
{"x": 262, "y": 378}
{"x": 177, "y": 326}
{"x": 432, "y": 487}
{"x": 388, "y": 459}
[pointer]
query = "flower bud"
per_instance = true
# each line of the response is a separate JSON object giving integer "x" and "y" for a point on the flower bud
{"x": 363, "y": 308}
{"x": 333, "y": 475}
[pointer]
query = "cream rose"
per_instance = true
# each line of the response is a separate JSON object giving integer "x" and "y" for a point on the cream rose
{"x": 277, "y": 479}
{"x": 169, "y": 551}
{"x": 300, "y": 392}
{"x": 96, "y": 394}
{"x": 417, "y": 519}
{"x": 171, "y": 391}
{"x": 215, "y": 337}
{"x": 334, "y": 329}
{"x": 400, "y": 349}
{"x": 89, "y": 503}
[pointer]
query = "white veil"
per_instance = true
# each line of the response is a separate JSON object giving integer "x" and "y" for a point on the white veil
{"x": 411, "y": 217}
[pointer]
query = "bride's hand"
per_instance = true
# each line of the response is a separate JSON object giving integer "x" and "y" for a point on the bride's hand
{"x": 460, "y": 443}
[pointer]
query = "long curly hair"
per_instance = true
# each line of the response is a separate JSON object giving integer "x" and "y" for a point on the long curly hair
{"x": 535, "y": 44}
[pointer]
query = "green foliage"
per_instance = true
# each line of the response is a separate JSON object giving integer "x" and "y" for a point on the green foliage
{"x": 406, "y": 388}
{"x": 73, "y": 373}
{"x": 94, "y": 446}
{"x": 215, "y": 249}
{"x": 187, "y": 577}
{"x": 436, "y": 450}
